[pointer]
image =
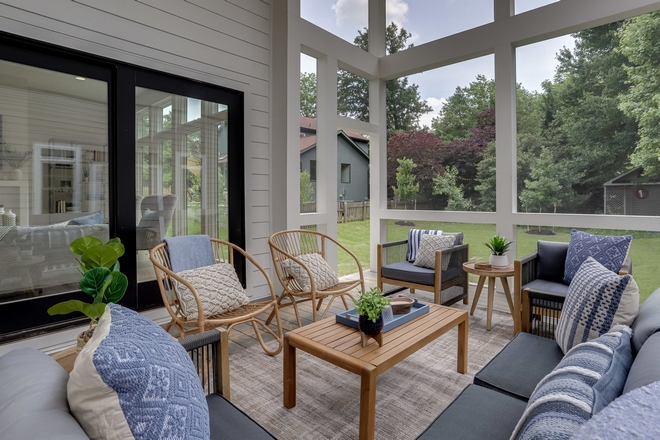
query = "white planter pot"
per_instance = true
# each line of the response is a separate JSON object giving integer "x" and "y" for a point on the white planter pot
{"x": 499, "y": 261}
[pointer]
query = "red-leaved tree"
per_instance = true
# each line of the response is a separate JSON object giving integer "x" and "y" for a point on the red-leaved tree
{"x": 424, "y": 149}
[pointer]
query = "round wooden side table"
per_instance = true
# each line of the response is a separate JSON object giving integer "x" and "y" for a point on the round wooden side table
{"x": 491, "y": 274}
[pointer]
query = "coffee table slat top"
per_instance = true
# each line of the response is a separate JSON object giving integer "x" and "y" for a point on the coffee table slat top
{"x": 328, "y": 339}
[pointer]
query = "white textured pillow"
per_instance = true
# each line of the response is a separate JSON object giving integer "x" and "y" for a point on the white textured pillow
{"x": 324, "y": 276}
{"x": 629, "y": 305}
{"x": 218, "y": 288}
{"x": 428, "y": 245}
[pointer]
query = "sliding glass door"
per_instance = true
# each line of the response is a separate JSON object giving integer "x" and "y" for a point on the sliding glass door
{"x": 181, "y": 165}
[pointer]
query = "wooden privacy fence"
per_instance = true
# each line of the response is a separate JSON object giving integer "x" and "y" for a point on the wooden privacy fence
{"x": 346, "y": 211}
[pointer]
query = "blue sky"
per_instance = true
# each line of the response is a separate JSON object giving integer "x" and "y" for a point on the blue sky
{"x": 343, "y": 18}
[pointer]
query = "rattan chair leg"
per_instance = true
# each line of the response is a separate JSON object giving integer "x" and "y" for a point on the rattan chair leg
{"x": 344, "y": 301}
{"x": 261, "y": 340}
{"x": 295, "y": 310}
{"x": 279, "y": 305}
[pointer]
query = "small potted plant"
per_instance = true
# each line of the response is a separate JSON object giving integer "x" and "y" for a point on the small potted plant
{"x": 101, "y": 279}
{"x": 498, "y": 247}
{"x": 369, "y": 306}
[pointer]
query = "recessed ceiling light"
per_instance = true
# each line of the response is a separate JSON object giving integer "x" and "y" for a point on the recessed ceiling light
{"x": 80, "y": 78}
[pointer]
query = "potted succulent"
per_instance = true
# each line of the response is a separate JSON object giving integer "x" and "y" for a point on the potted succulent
{"x": 101, "y": 279}
{"x": 369, "y": 306}
{"x": 498, "y": 247}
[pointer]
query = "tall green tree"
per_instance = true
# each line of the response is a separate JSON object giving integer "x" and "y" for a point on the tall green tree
{"x": 308, "y": 94}
{"x": 486, "y": 177}
{"x": 403, "y": 101}
{"x": 447, "y": 184}
{"x": 306, "y": 188}
{"x": 406, "y": 187}
{"x": 542, "y": 190}
{"x": 594, "y": 133}
{"x": 462, "y": 109}
{"x": 640, "y": 42}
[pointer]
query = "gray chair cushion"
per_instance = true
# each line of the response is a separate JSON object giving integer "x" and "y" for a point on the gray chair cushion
{"x": 551, "y": 260}
{"x": 476, "y": 414}
{"x": 406, "y": 271}
{"x": 547, "y": 287}
{"x": 33, "y": 403}
{"x": 458, "y": 235}
{"x": 520, "y": 366}
{"x": 230, "y": 423}
{"x": 646, "y": 367}
{"x": 647, "y": 321}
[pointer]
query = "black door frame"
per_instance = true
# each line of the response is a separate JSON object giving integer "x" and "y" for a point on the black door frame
{"x": 27, "y": 318}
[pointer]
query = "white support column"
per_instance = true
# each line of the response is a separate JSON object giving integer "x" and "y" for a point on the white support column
{"x": 326, "y": 150}
{"x": 378, "y": 141}
{"x": 285, "y": 155}
{"x": 505, "y": 121}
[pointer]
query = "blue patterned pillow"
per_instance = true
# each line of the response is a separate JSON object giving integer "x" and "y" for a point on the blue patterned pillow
{"x": 589, "y": 377}
{"x": 631, "y": 416}
{"x": 414, "y": 235}
{"x": 591, "y": 304}
{"x": 608, "y": 250}
{"x": 134, "y": 380}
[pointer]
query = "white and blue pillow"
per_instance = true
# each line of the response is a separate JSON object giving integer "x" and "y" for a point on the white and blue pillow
{"x": 609, "y": 250}
{"x": 414, "y": 236}
{"x": 135, "y": 381}
{"x": 586, "y": 380}
{"x": 591, "y": 304}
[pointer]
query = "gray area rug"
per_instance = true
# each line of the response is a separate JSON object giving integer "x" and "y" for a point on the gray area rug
{"x": 409, "y": 397}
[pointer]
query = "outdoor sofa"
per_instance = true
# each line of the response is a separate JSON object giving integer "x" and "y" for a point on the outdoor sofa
{"x": 491, "y": 406}
{"x": 34, "y": 405}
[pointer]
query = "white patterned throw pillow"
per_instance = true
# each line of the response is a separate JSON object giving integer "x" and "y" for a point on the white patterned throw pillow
{"x": 428, "y": 245}
{"x": 133, "y": 380}
{"x": 218, "y": 287}
{"x": 591, "y": 304}
{"x": 324, "y": 276}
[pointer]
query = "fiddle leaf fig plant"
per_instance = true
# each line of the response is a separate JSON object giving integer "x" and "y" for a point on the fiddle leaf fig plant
{"x": 498, "y": 245}
{"x": 101, "y": 279}
{"x": 371, "y": 304}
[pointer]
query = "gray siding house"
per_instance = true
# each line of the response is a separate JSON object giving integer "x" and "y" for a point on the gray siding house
{"x": 352, "y": 160}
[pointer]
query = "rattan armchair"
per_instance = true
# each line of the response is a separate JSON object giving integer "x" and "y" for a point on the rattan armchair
{"x": 223, "y": 252}
{"x": 290, "y": 245}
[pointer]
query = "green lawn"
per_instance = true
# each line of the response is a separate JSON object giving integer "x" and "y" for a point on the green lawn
{"x": 644, "y": 251}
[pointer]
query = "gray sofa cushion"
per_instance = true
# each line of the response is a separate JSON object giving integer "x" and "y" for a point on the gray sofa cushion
{"x": 551, "y": 260}
{"x": 646, "y": 367}
{"x": 520, "y": 366}
{"x": 477, "y": 413}
{"x": 230, "y": 423}
{"x": 33, "y": 402}
{"x": 95, "y": 218}
{"x": 647, "y": 321}
{"x": 406, "y": 271}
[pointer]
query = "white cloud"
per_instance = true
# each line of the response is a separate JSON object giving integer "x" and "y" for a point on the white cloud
{"x": 350, "y": 12}
{"x": 354, "y": 12}
{"x": 396, "y": 11}
{"x": 436, "y": 104}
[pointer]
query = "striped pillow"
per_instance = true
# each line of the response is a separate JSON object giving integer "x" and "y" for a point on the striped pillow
{"x": 591, "y": 304}
{"x": 589, "y": 377}
{"x": 414, "y": 235}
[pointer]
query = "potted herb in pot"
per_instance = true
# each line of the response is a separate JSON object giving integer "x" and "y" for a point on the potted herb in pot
{"x": 101, "y": 279}
{"x": 369, "y": 306}
{"x": 498, "y": 247}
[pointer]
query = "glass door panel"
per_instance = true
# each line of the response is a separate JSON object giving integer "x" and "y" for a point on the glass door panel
{"x": 53, "y": 176}
{"x": 181, "y": 165}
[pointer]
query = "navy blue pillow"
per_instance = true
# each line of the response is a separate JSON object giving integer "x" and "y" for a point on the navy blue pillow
{"x": 91, "y": 219}
{"x": 608, "y": 250}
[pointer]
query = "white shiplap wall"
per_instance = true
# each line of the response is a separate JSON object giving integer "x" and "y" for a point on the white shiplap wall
{"x": 221, "y": 42}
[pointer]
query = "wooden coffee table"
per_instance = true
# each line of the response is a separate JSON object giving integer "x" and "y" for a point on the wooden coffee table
{"x": 340, "y": 345}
